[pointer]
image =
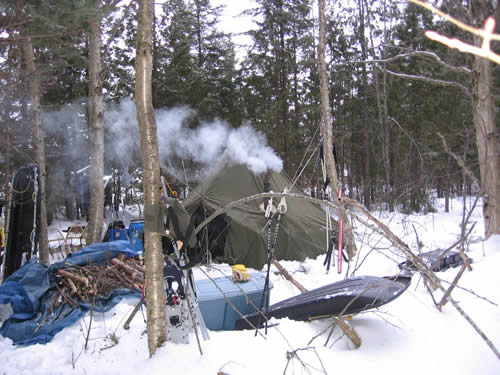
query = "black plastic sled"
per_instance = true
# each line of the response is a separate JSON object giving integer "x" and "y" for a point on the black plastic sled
{"x": 345, "y": 297}
{"x": 23, "y": 219}
{"x": 436, "y": 260}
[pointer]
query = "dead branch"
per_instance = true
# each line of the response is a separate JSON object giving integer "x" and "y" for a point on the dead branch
{"x": 473, "y": 293}
{"x": 434, "y": 56}
{"x": 71, "y": 285}
{"x": 349, "y": 332}
{"x": 124, "y": 279}
{"x": 132, "y": 271}
{"x": 287, "y": 276}
{"x": 434, "y": 81}
{"x": 475, "y": 326}
{"x": 452, "y": 286}
{"x": 290, "y": 355}
{"x": 80, "y": 279}
{"x": 486, "y": 34}
{"x": 66, "y": 297}
{"x": 380, "y": 227}
{"x": 461, "y": 163}
{"x": 422, "y": 267}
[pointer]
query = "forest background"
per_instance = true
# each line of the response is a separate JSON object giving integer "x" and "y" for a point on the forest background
{"x": 392, "y": 90}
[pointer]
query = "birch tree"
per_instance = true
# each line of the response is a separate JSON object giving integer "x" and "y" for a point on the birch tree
{"x": 96, "y": 130}
{"x": 155, "y": 294}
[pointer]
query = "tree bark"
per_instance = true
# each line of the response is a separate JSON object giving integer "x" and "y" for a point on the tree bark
{"x": 327, "y": 130}
{"x": 37, "y": 134}
{"x": 383, "y": 109}
{"x": 487, "y": 134}
{"x": 367, "y": 188}
{"x": 155, "y": 294}
{"x": 96, "y": 128}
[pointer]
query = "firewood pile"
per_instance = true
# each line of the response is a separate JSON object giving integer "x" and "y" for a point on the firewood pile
{"x": 77, "y": 284}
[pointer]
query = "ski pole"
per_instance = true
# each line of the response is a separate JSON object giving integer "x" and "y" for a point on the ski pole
{"x": 341, "y": 230}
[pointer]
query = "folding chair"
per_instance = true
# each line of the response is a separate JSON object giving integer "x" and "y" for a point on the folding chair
{"x": 75, "y": 232}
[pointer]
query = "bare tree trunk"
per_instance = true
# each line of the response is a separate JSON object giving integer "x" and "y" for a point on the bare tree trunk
{"x": 387, "y": 145}
{"x": 382, "y": 109}
{"x": 155, "y": 294}
{"x": 37, "y": 134}
{"x": 386, "y": 131}
{"x": 328, "y": 131}
{"x": 8, "y": 155}
{"x": 487, "y": 134}
{"x": 96, "y": 127}
{"x": 283, "y": 92}
{"x": 367, "y": 182}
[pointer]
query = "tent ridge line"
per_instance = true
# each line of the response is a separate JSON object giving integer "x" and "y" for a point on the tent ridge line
{"x": 257, "y": 197}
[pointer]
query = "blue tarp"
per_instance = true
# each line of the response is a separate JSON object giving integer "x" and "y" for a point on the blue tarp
{"x": 28, "y": 293}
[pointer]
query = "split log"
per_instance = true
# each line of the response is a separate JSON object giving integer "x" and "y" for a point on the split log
{"x": 81, "y": 279}
{"x": 68, "y": 299}
{"x": 135, "y": 274}
{"x": 132, "y": 263}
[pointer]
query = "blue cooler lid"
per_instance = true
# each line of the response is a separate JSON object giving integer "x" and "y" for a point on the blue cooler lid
{"x": 207, "y": 290}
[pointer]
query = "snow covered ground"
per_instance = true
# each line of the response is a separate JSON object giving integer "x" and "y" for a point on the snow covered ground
{"x": 408, "y": 335}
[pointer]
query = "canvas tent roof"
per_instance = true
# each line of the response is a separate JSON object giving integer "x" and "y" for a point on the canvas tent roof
{"x": 301, "y": 234}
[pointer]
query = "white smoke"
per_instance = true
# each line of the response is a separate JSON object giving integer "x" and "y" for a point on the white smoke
{"x": 203, "y": 145}
{"x": 122, "y": 142}
{"x": 68, "y": 122}
{"x": 206, "y": 143}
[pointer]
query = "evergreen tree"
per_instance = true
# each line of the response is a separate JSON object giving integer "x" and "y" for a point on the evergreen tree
{"x": 194, "y": 61}
{"x": 281, "y": 48}
{"x": 418, "y": 105}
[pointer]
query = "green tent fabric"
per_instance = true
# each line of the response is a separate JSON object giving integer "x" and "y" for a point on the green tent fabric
{"x": 177, "y": 212}
{"x": 301, "y": 234}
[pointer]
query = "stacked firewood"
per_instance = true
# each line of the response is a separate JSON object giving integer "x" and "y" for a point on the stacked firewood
{"x": 77, "y": 284}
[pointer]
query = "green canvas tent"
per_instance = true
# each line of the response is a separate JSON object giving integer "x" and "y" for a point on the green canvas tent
{"x": 241, "y": 237}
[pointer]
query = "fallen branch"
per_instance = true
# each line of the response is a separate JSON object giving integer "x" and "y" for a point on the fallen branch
{"x": 422, "y": 267}
{"x": 475, "y": 326}
{"x": 287, "y": 276}
{"x": 349, "y": 332}
{"x": 447, "y": 294}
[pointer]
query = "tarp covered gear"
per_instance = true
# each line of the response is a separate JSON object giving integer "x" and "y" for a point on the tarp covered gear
{"x": 302, "y": 233}
{"x": 436, "y": 260}
{"x": 30, "y": 291}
